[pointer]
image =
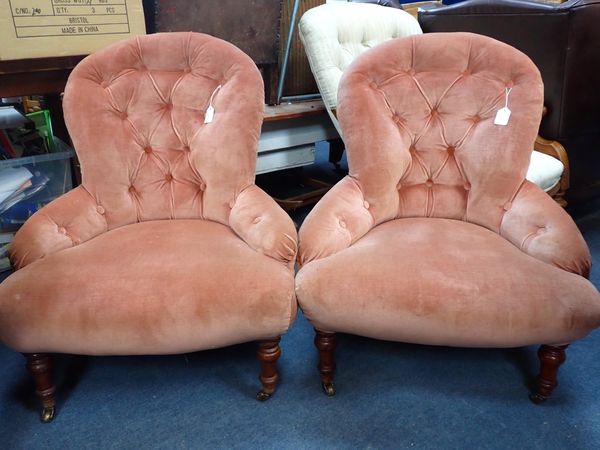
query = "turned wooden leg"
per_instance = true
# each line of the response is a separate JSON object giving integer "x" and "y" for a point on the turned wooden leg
{"x": 40, "y": 367}
{"x": 551, "y": 358}
{"x": 268, "y": 354}
{"x": 325, "y": 343}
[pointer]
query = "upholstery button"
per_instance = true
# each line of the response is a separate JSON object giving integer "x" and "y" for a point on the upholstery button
{"x": 168, "y": 177}
{"x": 169, "y": 106}
{"x": 411, "y": 72}
{"x": 148, "y": 149}
{"x": 467, "y": 186}
{"x": 132, "y": 189}
{"x": 186, "y": 148}
{"x": 507, "y": 206}
{"x": 429, "y": 183}
{"x": 451, "y": 150}
{"x": 476, "y": 119}
{"x": 104, "y": 84}
{"x": 466, "y": 73}
{"x": 187, "y": 70}
{"x": 541, "y": 230}
{"x": 231, "y": 204}
{"x": 412, "y": 149}
{"x": 256, "y": 220}
{"x": 100, "y": 209}
{"x": 342, "y": 223}
{"x": 62, "y": 230}
{"x": 123, "y": 115}
{"x": 366, "y": 204}
{"x": 202, "y": 186}
{"x": 399, "y": 185}
{"x": 373, "y": 85}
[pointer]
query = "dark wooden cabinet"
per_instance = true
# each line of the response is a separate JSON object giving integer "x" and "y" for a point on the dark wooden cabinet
{"x": 251, "y": 25}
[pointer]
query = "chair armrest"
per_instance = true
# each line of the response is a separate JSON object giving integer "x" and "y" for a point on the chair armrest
{"x": 422, "y": 8}
{"x": 69, "y": 220}
{"x": 556, "y": 150}
{"x": 541, "y": 228}
{"x": 495, "y": 7}
{"x": 263, "y": 225}
{"x": 339, "y": 219}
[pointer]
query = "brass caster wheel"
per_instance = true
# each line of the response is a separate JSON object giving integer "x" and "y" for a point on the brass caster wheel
{"x": 328, "y": 389}
{"x": 263, "y": 396}
{"x": 537, "y": 398}
{"x": 47, "y": 414}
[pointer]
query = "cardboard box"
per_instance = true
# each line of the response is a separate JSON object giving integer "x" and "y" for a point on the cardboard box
{"x": 48, "y": 28}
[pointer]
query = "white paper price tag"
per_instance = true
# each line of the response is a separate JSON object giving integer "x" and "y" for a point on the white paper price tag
{"x": 210, "y": 114}
{"x": 502, "y": 116}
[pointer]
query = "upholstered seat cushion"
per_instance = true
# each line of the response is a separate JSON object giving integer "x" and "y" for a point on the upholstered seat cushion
{"x": 445, "y": 282}
{"x": 544, "y": 170}
{"x": 153, "y": 287}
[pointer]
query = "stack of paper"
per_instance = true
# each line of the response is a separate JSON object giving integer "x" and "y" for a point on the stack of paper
{"x": 13, "y": 180}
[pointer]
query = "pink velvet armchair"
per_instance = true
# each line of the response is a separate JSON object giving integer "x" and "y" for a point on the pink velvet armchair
{"x": 167, "y": 246}
{"x": 435, "y": 237}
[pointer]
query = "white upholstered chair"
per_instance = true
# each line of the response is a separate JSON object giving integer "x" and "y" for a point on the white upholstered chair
{"x": 334, "y": 34}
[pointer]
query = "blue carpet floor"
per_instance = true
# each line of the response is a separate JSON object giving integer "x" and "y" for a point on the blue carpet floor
{"x": 390, "y": 396}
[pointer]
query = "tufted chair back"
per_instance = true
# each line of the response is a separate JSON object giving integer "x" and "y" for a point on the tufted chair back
{"x": 334, "y": 34}
{"x": 418, "y": 119}
{"x": 136, "y": 114}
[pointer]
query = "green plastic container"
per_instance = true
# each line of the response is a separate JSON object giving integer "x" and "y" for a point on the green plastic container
{"x": 43, "y": 124}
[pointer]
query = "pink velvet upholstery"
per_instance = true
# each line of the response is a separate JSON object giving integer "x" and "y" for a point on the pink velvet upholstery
{"x": 435, "y": 237}
{"x": 167, "y": 246}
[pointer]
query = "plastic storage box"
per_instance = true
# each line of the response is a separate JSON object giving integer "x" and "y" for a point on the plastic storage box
{"x": 49, "y": 177}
